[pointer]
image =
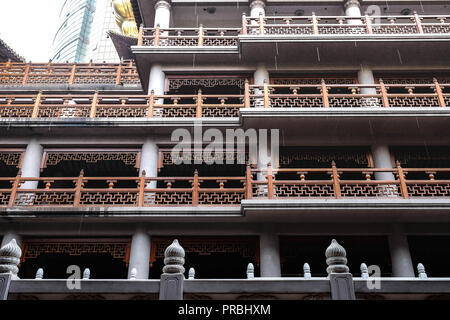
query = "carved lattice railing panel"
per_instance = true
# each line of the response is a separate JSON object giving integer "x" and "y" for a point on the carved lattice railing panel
{"x": 12, "y": 73}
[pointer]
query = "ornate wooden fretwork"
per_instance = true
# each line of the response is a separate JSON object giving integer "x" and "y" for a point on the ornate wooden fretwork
{"x": 117, "y": 248}
{"x": 53, "y": 157}
{"x": 176, "y": 82}
{"x": 166, "y": 159}
{"x": 247, "y": 247}
{"x": 433, "y": 154}
{"x": 360, "y": 157}
{"x": 413, "y": 79}
{"x": 11, "y": 157}
{"x": 314, "y": 80}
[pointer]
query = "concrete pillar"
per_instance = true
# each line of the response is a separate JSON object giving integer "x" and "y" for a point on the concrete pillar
{"x": 257, "y": 7}
{"x": 140, "y": 254}
{"x": 402, "y": 265}
{"x": 353, "y": 9}
{"x": 7, "y": 237}
{"x": 156, "y": 79}
{"x": 382, "y": 159}
{"x": 365, "y": 76}
{"x": 269, "y": 255}
{"x": 162, "y": 14}
{"x": 31, "y": 163}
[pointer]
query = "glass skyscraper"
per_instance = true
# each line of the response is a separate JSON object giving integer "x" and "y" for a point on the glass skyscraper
{"x": 81, "y": 35}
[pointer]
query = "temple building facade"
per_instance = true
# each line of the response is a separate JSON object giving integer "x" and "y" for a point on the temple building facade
{"x": 353, "y": 95}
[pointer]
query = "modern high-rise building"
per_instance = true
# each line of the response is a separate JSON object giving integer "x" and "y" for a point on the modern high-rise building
{"x": 83, "y": 32}
{"x": 334, "y": 182}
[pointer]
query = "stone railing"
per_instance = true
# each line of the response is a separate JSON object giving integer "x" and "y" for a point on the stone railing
{"x": 340, "y": 284}
{"x": 37, "y": 74}
{"x": 199, "y": 105}
{"x": 277, "y": 184}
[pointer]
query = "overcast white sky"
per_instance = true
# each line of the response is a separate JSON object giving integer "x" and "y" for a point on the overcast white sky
{"x": 28, "y": 26}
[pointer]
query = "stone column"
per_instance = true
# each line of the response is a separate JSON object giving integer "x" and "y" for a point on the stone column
{"x": 269, "y": 255}
{"x": 365, "y": 76}
{"x": 156, "y": 79}
{"x": 7, "y": 237}
{"x": 31, "y": 163}
{"x": 402, "y": 265}
{"x": 162, "y": 14}
{"x": 257, "y": 7}
{"x": 149, "y": 160}
{"x": 353, "y": 9}
{"x": 382, "y": 159}
{"x": 140, "y": 254}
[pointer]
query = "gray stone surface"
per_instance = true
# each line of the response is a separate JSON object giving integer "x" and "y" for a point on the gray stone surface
{"x": 341, "y": 285}
{"x": 5, "y": 280}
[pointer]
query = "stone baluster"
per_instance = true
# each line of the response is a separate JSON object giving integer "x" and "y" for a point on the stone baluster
{"x": 10, "y": 255}
{"x": 39, "y": 274}
{"x": 191, "y": 273}
{"x": 250, "y": 271}
{"x": 306, "y": 271}
{"x": 341, "y": 280}
{"x": 171, "y": 287}
{"x": 421, "y": 271}
{"x": 86, "y": 274}
{"x": 133, "y": 274}
{"x": 364, "y": 271}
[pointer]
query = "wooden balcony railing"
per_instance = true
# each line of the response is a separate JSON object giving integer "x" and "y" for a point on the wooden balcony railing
{"x": 192, "y": 191}
{"x": 17, "y": 74}
{"x": 342, "y": 25}
{"x": 287, "y": 25}
{"x": 199, "y": 105}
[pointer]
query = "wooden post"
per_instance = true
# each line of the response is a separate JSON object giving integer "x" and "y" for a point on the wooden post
{"x": 200, "y": 36}
{"x": 269, "y": 182}
{"x": 266, "y": 94}
{"x": 244, "y": 24}
{"x": 401, "y": 178}
{"x": 37, "y": 102}
{"x": 151, "y": 101}
{"x": 368, "y": 24}
{"x": 119, "y": 73}
{"x": 418, "y": 22}
{"x": 94, "y": 105}
{"x": 8, "y": 63}
{"x": 157, "y": 34}
{"x": 248, "y": 183}
{"x": 141, "y": 189}
{"x": 15, "y": 186}
{"x": 384, "y": 96}
{"x": 79, "y": 184}
{"x": 336, "y": 182}
{"x": 195, "y": 187}
{"x": 315, "y": 24}
{"x": 72, "y": 74}
{"x": 261, "y": 23}
{"x": 199, "y": 104}
{"x": 438, "y": 90}
{"x": 246, "y": 94}
{"x": 25, "y": 76}
{"x": 324, "y": 92}
{"x": 140, "y": 35}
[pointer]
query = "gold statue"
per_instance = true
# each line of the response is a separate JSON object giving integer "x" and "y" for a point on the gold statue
{"x": 123, "y": 13}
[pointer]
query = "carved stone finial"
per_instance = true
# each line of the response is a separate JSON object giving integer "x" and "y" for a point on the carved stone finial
{"x": 336, "y": 258}
{"x": 191, "y": 273}
{"x": 421, "y": 271}
{"x": 306, "y": 271}
{"x": 39, "y": 274}
{"x": 364, "y": 271}
{"x": 174, "y": 258}
{"x": 10, "y": 258}
{"x": 250, "y": 271}
{"x": 133, "y": 274}
{"x": 86, "y": 274}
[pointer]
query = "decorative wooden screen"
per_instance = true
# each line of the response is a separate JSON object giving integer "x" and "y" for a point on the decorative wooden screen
{"x": 247, "y": 247}
{"x": 430, "y": 155}
{"x": 52, "y": 157}
{"x": 117, "y": 248}
{"x": 359, "y": 156}
{"x": 174, "y": 82}
{"x": 315, "y": 79}
{"x": 11, "y": 157}
{"x": 415, "y": 78}
{"x": 165, "y": 157}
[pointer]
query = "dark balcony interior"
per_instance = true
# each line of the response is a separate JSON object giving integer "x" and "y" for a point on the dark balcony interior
{"x": 297, "y": 250}
{"x": 431, "y": 251}
{"x": 211, "y": 257}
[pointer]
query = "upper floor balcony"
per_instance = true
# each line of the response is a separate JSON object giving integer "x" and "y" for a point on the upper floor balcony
{"x": 337, "y": 41}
